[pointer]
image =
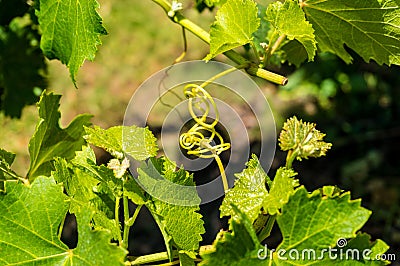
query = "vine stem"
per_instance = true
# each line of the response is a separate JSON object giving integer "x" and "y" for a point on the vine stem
{"x": 146, "y": 259}
{"x": 116, "y": 218}
{"x": 128, "y": 222}
{"x": 291, "y": 155}
{"x": 23, "y": 180}
{"x": 273, "y": 47}
{"x": 125, "y": 236}
{"x": 221, "y": 74}
{"x": 252, "y": 68}
{"x": 277, "y": 43}
{"x": 222, "y": 171}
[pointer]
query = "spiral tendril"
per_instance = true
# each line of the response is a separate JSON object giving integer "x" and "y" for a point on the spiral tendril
{"x": 194, "y": 140}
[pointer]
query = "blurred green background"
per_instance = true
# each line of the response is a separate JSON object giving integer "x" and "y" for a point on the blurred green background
{"x": 356, "y": 105}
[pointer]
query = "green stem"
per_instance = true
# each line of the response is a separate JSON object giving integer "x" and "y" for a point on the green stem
{"x": 128, "y": 221}
{"x": 116, "y": 218}
{"x": 23, "y": 180}
{"x": 223, "y": 175}
{"x": 292, "y": 154}
{"x": 221, "y": 74}
{"x": 125, "y": 236}
{"x": 273, "y": 47}
{"x": 60, "y": 229}
{"x": 147, "y": 259}
{"x": 132, "y": 220}
{"x": 267, "y": 75}
{"x": 278, "y": 43}
{"x": 234, "y": 56}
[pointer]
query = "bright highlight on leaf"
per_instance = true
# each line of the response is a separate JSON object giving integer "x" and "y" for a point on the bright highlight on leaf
{"x": 281, "y": 189}
{"x": 248, "y": 193}
{"x": 370, "y": 28}
{"x": 302, "y": 139}
{"x": 235, "y": 23}
{"x": 288, "y": 19}
{"x": 251, "y": 196}
{"x": 70, "y": 31}
{"x": 134, "y": 141}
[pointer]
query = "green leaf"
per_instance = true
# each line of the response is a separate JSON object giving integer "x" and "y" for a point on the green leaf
{"x": 353, "y": 252}
{"x": 6, "y": 173}
{"x": 27, "y": 215}
{"x": 85, "y": 164}
{"x": 370, "y": 28}
{"x": 248, "y": 193}
{"x": 134, "y": 192}
{"x": 288, "y": 19}
{"x": 22, "y": 67}
{"x": 181, "y": 225}
{"x": 70, "y": 31}
{"x": 185, "y": 260}
{"x": 134, "y": 141}
{"x": 303, "y": 139}
{"x": 294, "y": 53}
{"x": 235, "y": 23}
{"x": 281, "y": 189}
{"x": 314, "y": 221}
{"x": 33, "y": 215}
{"x": 91, "y": 187}
{"x": 78, "y": 185}
{"x": 358, "y": 251}
{"x": 49, "y": 140}
{"x": 7, "y": 157}
{"x": 104, "y": 252}
{"x": 238, "y": 246}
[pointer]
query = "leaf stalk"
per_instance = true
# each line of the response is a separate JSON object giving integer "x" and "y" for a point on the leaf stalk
{"x": 155, "y": 257}
{"x": 234, "y": 56}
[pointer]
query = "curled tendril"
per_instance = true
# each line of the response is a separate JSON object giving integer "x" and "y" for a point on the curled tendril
{"x": 194, "y": 140}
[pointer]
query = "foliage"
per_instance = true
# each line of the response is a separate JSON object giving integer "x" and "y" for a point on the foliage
{"x": 69, "y": 32}
{"x": 64, "y": 176}
{"x": 234, "y": 25}
{"x": 370, "y": 28}
{"x": 94, "y": 193}
{"x": 299, "y": 30}
{"x": 49, "y": 140}
{"x": 28, "y": 217}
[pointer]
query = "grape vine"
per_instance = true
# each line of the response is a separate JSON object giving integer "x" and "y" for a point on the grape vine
{"x": 64, "y": 176}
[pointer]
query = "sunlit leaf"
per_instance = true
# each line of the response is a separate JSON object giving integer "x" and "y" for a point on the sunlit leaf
{"x": 370, "y": 28}
{"x": 235, "y": 23}
{"x": 70, "y": 31}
